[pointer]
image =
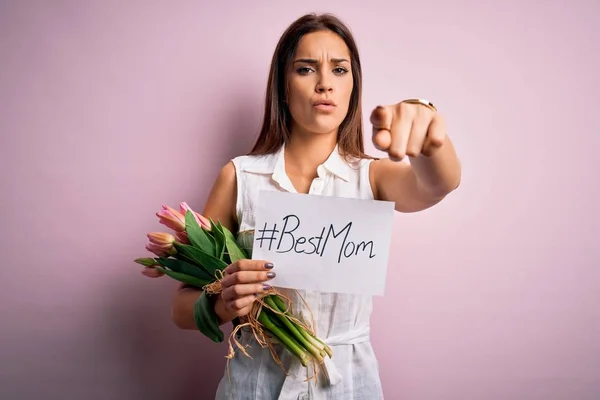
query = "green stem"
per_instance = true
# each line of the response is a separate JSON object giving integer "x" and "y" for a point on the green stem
{"x": 293, "y": 329}
{"x": 326, "y": 348}
{"x": 313, "y": 340}
{"x": 289, "y": 342}
{"x": 318, "y": 344}
{"x": 280, "y": 304}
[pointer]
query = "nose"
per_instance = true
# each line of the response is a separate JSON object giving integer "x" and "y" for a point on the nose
{"x": 321, "y": 88}
{"x": 324, "y": 84}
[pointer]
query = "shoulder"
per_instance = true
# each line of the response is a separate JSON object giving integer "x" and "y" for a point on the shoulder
{"x": 252, "y": 162}
{"x": 220, "y": 204}
{"x": 226, "y": 176}
{"x": 239, "y": 164}
{"x": 358, "y": 163}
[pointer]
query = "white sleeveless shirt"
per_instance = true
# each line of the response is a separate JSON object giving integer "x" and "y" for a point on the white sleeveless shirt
{"x": 342, "y": 320}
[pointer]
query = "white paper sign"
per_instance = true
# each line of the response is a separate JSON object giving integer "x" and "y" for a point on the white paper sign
{"x": 323, "y": 243}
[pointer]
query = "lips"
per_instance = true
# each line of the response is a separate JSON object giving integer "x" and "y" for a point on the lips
{"x": 324, "y": 102}
{"x": 324, "y": 106}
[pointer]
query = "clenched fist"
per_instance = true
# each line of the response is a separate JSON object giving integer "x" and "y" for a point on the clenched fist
{"x": 406, "y": 129}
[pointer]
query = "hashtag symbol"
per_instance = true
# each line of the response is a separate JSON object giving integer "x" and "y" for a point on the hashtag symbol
{"x": 267, "y": 234}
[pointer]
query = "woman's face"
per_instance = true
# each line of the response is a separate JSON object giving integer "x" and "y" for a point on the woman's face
{"x": 319, "y": 83}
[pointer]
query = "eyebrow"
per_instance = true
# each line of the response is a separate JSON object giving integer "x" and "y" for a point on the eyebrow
{"x": 313, "y": 61}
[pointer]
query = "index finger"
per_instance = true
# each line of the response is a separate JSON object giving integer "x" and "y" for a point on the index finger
{"x": 381, "y": 119}
{"x": 248, "y": 265}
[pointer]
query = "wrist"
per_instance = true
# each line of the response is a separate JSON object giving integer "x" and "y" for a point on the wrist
{"x": 438, "y": 174}
{"x": 223, "y": 314}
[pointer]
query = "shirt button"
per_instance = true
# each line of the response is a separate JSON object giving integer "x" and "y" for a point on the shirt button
{"x": 316, "y": 186}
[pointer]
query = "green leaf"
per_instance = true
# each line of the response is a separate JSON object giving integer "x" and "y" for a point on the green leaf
{"x": 208, "y": 262}
{"x": 178, "y": 276}
{"x": 206, "y": 319}
{"x": 186, "y": 268}
{"x": 187, "y": 259}
{"x": 198, "y": 236}
{"x": 234, "y": 251}
{"x": 217, "y": 229}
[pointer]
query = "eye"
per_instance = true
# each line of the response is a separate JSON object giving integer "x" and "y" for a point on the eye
{"x": 340, "y": 71}
{"x": 304, "y": 70}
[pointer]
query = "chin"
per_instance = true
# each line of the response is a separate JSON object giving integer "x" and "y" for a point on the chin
{"x": 322, "y": 129}
{"x": 323, "y": 126}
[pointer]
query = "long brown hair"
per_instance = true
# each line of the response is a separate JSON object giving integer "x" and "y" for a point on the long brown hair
{"x": 277, "y": 119}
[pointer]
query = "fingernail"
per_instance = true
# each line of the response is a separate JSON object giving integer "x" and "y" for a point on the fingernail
{"x": 270, "y": 275}
{"x": 266, "y": 287}
{"x": 269, "y": 265}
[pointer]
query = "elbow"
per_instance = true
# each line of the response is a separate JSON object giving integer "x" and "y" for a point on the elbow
{"x": 176, "y": 317}
{"x": 454, "y": 184}
{"x": 183, "y": 320}
{"x": 176, "y": 314}
{"x": 449, "y": 185}
{"x": 439, "y": 192}
{"x": 445, "y": 190}
{"x": 457, "y": 176}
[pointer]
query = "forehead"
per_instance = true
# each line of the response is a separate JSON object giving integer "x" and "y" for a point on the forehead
{"x": 322, "y": 44}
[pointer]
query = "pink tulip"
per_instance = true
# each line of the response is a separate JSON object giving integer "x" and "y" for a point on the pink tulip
{"x": 200, "y": 219}
{"x": 184, "y": 207}
{"x": 161, "y": 238}
{"x": 161, "y": 250}
{"x": 204, "y": 222}
{"x": 171, "y": 218}
{"x": 151, "y": 272}
{"x": 149, "y": 269}
{"x": 182, "y": 237}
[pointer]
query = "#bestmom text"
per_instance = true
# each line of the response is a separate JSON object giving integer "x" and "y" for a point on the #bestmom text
{"x": 286, "y": 241}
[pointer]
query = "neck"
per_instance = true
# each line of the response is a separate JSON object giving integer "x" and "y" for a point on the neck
{"x": 306, "y": 151}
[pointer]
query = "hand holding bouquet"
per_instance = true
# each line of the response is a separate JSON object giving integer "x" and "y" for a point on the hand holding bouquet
{"x": 205, "y": 254}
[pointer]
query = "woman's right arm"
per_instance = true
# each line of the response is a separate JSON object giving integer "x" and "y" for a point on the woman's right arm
{"x": 243, "y": 279}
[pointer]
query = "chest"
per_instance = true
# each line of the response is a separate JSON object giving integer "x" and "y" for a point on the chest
{"x": 307, "y": 184}
{"x": 302, "y": 183}
{"x": 356, "y": 185}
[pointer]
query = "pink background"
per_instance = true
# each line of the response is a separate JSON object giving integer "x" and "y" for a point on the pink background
{"x": 110, "y": 109}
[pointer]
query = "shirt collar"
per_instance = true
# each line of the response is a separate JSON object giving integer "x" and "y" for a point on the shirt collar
{"x": 274, "y": 165}
{"x": 336, "y": 164}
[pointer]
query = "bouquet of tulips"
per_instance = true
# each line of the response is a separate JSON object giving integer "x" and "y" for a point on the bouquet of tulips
{"x": 196, "y": 253}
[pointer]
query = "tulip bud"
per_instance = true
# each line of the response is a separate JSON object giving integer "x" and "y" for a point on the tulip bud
{"x": 161, "y": 238}
{"x": 171, "y": 218}
{"x": 184, "y": 207}
{"x": 149, "y": 269}
{"x": 151, "y": 272}
{"x": 182, "y": 237}
{"x": 146, "y": 262}
{"x": 161, "y": 250}
{"x": 201, "y": 220}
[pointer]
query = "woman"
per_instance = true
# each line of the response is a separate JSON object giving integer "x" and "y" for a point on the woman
{"x": 311, "y": 142}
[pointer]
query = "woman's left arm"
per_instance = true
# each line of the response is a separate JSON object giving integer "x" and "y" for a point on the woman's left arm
{"x": 419, "y": 132}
